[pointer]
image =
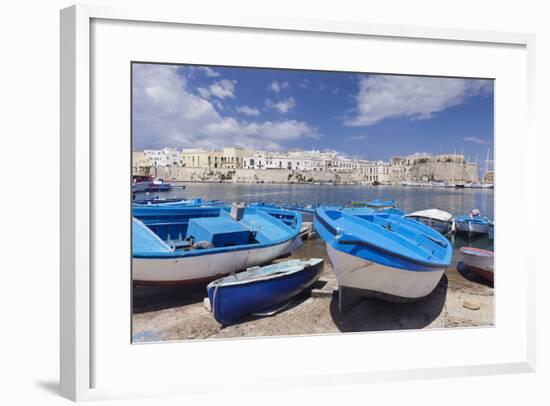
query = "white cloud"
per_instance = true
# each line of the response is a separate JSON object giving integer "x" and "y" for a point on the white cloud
{"x": 475, "y": 140}
{"x": 168, "y": 113}
{"x": 416, "y": 98}
{"x": 249, "y": 111}
{"x": 276, "y": 86}
{"x": 211, "y": 73}
{"x": 283, "y": 106}
{"x": 223, "y": 88}
{"x": 203, "y": 92}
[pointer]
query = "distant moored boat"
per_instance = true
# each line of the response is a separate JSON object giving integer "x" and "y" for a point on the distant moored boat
{"x": 174, "y": 202}
{"x": 379, "y": 205}
{"x": 479, "y": 261}
{"x": 142, "y": 184}
{"x": 473, "y": 223}
{"x": 439, "y": 220}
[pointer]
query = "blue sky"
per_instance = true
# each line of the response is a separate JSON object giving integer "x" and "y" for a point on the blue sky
{"x": 360, "y": 115}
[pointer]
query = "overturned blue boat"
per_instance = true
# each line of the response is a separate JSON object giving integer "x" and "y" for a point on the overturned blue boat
{"x": 382, "y": 254}
{"x": 261, "y": 289}
{"x": 182, "y": 245}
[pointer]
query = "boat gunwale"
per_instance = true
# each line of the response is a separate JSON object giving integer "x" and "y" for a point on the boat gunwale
{"x": 221, "y": 250}
{"x": 477, "y": 252}
{"x": 419, "y": 214}
{"x": 465, "y": 218}
{"x": 426, "y": 264}
{"x": 218, "y": 282}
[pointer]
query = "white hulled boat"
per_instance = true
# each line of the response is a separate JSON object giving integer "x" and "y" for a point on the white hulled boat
{"x": 439, "y": 220}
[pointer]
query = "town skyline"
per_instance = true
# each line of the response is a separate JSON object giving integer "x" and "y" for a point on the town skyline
{"x": 482, "y": 163}
{"x": 362, "y": 116}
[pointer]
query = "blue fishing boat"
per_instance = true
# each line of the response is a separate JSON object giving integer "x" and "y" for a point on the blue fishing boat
{"x": 182, "y": 245}
{"x": 307, "y": 211}
{"x": 473, "y": 223}
{"x": 157, "y": 200}
{"x": 156, "y": 185}
{"x": 298, "y": 207}
{"x": 261, "y": 289}
{"x": 379, "y": 205}
{"x": 382, "y": 254}
{"x": 173, "y": 202}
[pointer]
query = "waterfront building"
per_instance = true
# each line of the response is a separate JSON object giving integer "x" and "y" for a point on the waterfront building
{"x": 227, "y": 158}
{"x": 417, "y": 167}
{"x": 201, "y": 158}
{"x": 316, "y": 161}
{"x": 139, "y": 159}
{"x": 291, "y": 160}
{"x": 234, "y": 157}
{"x": 489, "y": 177}
{"x": 377, "y": 171}
{"x": 163, "y": 157}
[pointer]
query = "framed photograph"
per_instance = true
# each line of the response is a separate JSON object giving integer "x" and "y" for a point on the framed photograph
{"x": 295, "y": 201}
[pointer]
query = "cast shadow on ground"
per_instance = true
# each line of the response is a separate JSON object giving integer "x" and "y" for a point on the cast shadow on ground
{"x": 378, "y": 315}
{"x": 154, "y": 298}
{"x": 471, "y": 276}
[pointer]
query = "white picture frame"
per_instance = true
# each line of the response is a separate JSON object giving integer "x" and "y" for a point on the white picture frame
{"x": 79, "y": 352}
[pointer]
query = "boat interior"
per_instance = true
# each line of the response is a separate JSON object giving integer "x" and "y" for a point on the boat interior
{"x": 213, "y": 227}
{"x": 269, "y": 271}
{"x": 391, "y": 232}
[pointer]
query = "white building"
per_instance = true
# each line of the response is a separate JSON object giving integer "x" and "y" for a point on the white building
{"x": 163, "y": 157}
{"x": 292, "y": 160}
{"x": 374, "y": 171}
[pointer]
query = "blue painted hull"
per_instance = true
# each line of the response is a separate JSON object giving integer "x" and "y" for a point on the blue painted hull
{"x": 395, "y": 241}
{"x": 151, "y": 187}
{"x": 176, "y": 202}
{"x": 472, "y": 225}
{"x": 232, "y": 302}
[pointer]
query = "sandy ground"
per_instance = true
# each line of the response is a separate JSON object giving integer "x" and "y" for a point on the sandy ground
{"x": 177, "y": 313}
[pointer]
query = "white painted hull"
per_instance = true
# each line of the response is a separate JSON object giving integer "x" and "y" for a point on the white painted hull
{"x": 442, "y": 227}
{"x": 202, "y": 267}
{"x": 472, "y": 228}
{"x": 439, "y": 220}
{"x": 478, "y": 258}
{"x": 355, "y": 272}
